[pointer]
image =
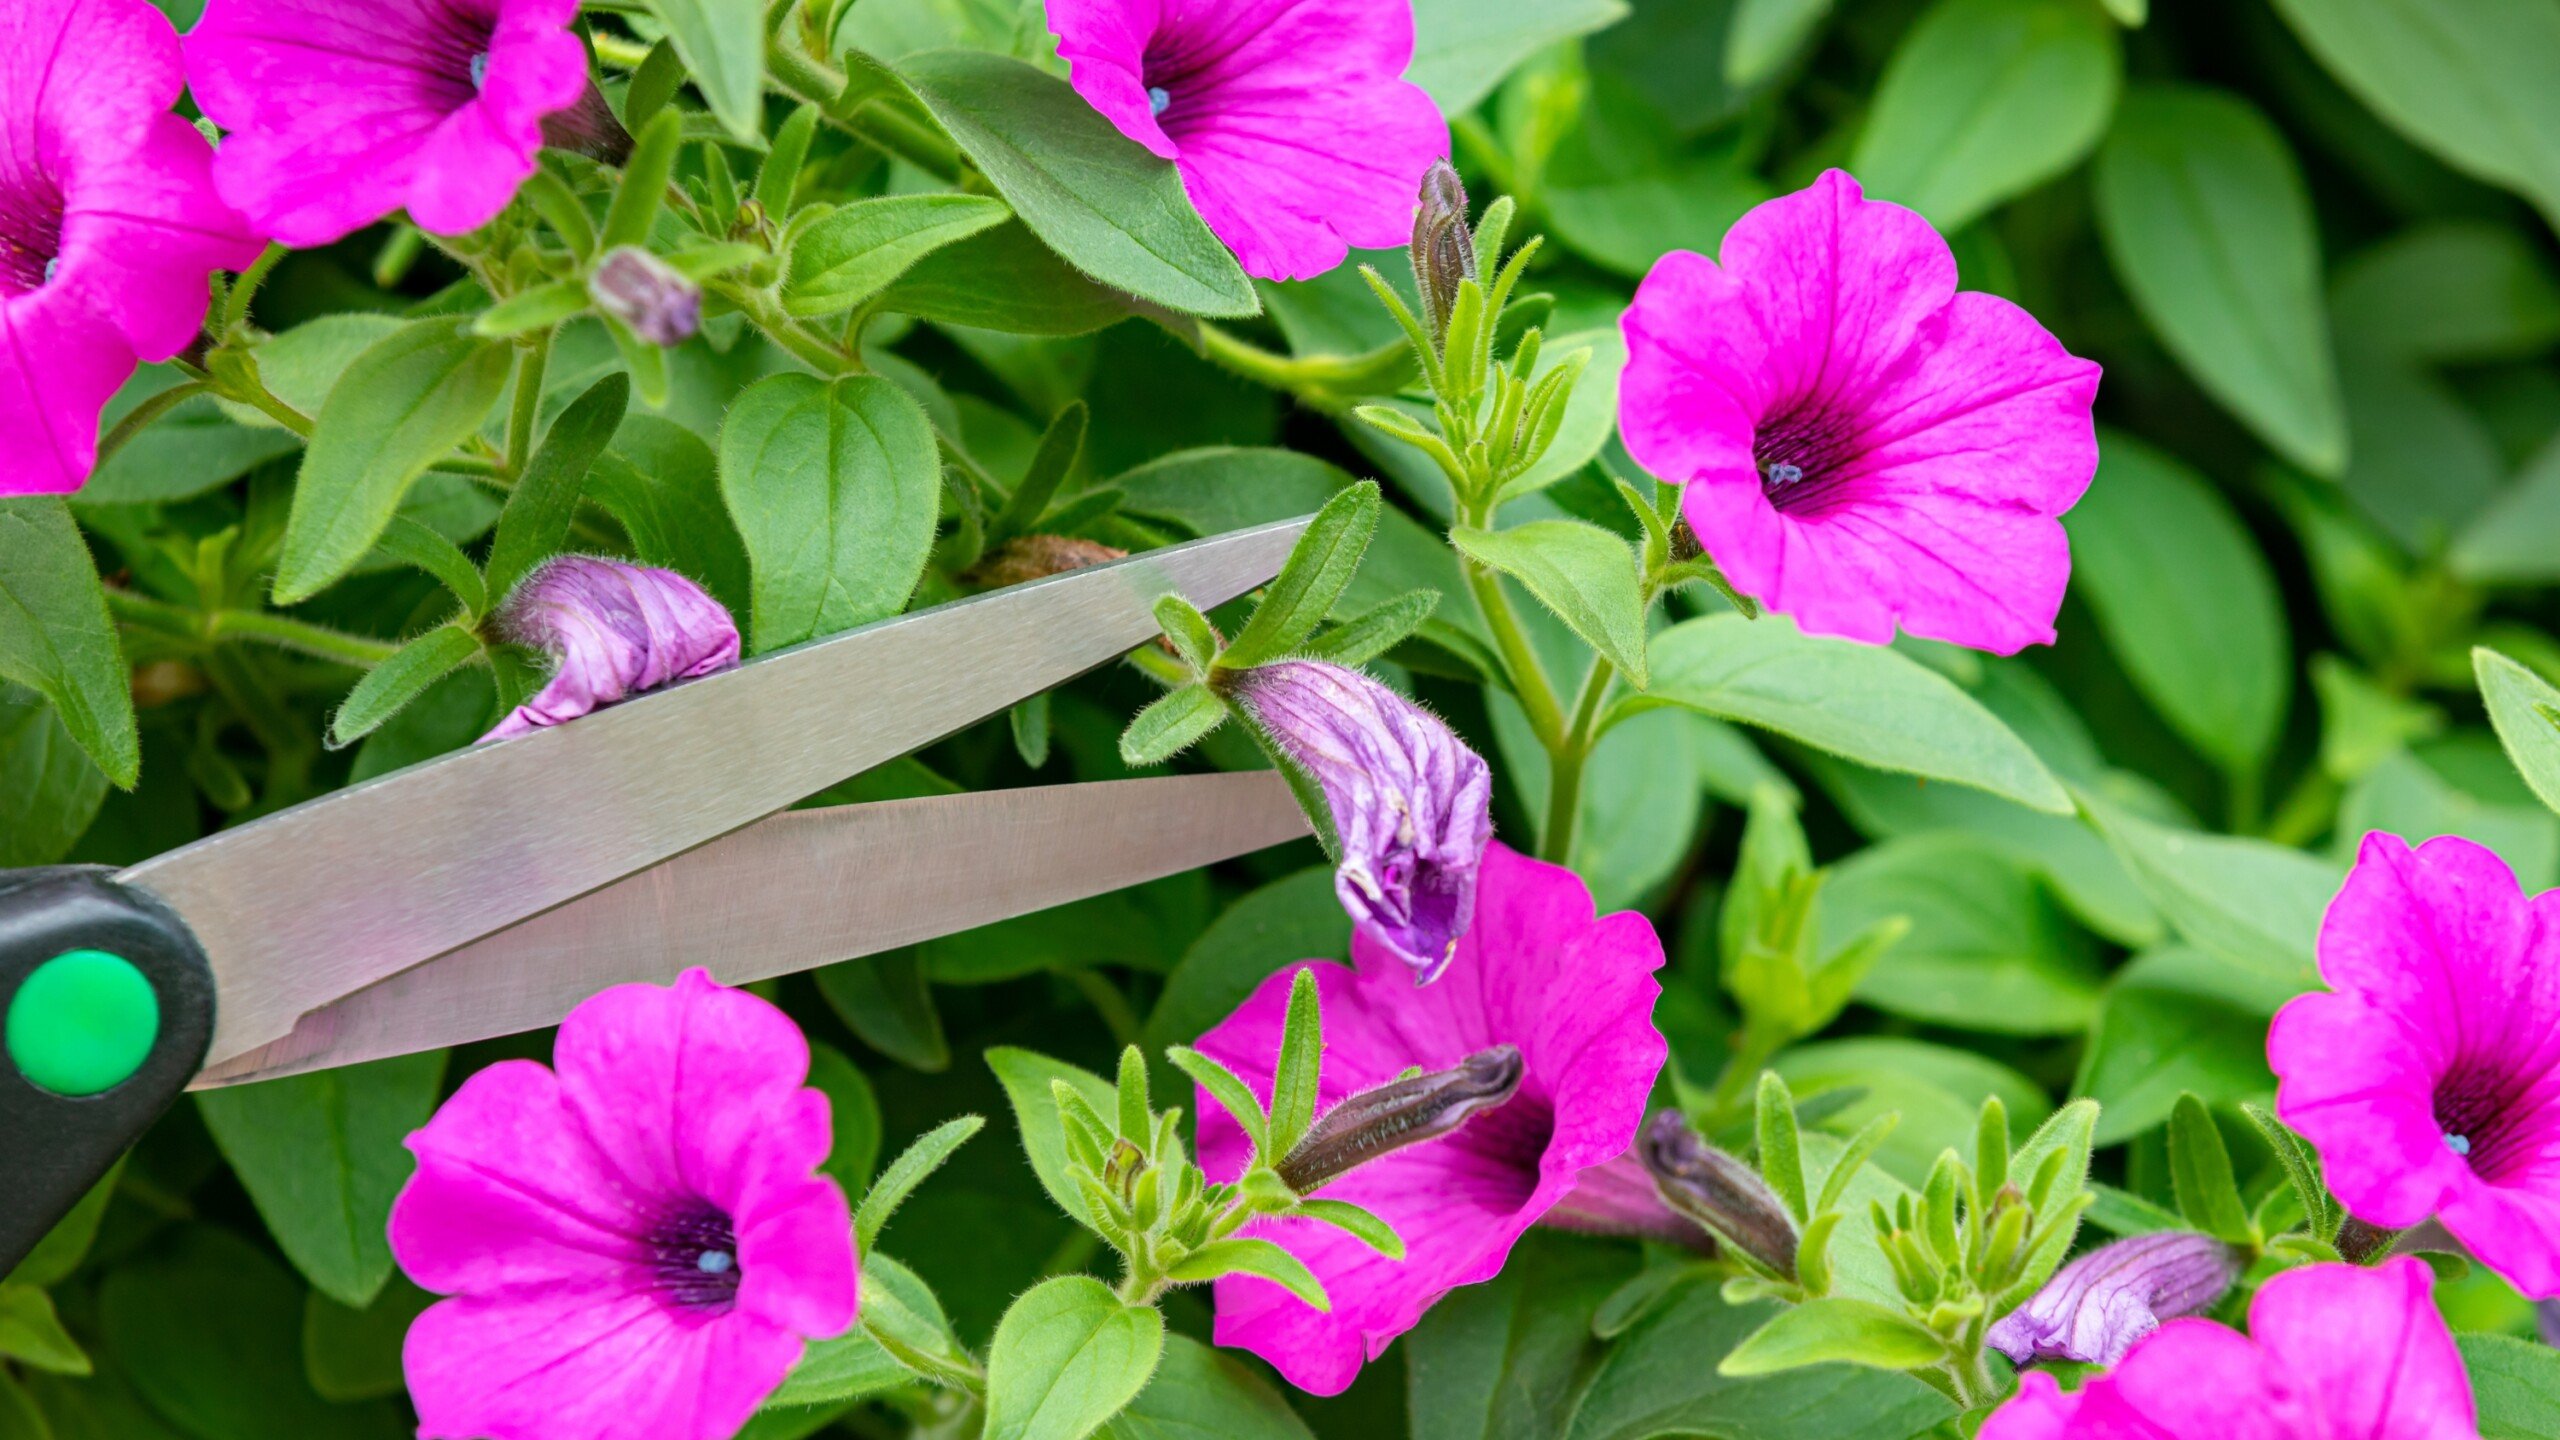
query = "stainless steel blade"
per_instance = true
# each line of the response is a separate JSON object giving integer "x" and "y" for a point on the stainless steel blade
{"x": 798, "y": 890}
{"x": 319, "y": 901}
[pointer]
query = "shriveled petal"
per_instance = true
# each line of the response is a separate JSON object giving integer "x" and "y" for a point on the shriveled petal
{"x": 587, "y": 1362}
{"x": 614, "y": 630}
{"x": 691, "y": 1090}
{"x": 2097, "y": 1307}
{"x": 2368, "y": 1349}
{"x": 510, "y": 1192}
{"x": 58, "y": 365}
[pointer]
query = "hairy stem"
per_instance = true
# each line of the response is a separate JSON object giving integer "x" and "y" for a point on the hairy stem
{"x": 1565, "y": 764}
{"x": 525, "y": 416}
{"x": 144, "y": 415}
{"x": 879, "y": 126}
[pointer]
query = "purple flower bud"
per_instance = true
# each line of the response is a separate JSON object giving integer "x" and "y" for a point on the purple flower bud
{"x": 588, "y": 127}
{"x": 1443, "y": 249}
{"x": 614, "y": 630}
{"x": 1718, "y": 1191}
{"x": 1410, "y": 805}
{"x": 1401, "y": 1113}
{"x": 655, "y": 300}
{"x": 2096, "y": 1307}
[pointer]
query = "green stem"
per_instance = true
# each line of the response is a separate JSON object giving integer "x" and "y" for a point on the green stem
{"x": 212, "y": 626}
{"x": 818, "y": 354}
{"x": 245, "y": 289}
{"x": 1528, "y": 677}
{"x": 525, "y": 416}
{"x": 1565, "y": 765}
{"x": 257, "y": 395}
{"x": 144, "y": 414}
{"x": 879, "y": 126}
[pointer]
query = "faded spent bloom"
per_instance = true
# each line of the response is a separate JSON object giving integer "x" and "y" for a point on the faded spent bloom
{"x": 2097, "y": 1307}
{"x": 1411, "y": 806}
{"x": 109, "y": 225}
{"x": 1543, "y": 1030}
{"x": 652, "y": 299}
{"x": 2428, "y": 1076}
{"x": 1861, "y": 445}
{"x": 1295, "y": 133}
{"x": 613, "y": 630}
{"x": 341, "y": 112}
{"x": 637, "y": 1244}
{"x": 2334, "y": 1352}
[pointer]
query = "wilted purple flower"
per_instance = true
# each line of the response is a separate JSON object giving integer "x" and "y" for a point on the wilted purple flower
{"x": 653, "y": 299}
{"x": 615, "y": 630}
{"x": 1718, "y": 1191}
{"x": 1411, "y": 804}
{"x": 2095, "y": 1308}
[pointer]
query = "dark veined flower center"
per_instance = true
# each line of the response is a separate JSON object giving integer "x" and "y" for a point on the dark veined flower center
{"x": 693, "y": 1256}
{"x": 30, "y": 233}
{"x": 1799, "y": 453}
{"x": 2485, "y": 1116}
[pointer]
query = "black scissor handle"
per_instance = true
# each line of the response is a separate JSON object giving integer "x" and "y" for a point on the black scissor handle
{"x": 106, "y": 1007}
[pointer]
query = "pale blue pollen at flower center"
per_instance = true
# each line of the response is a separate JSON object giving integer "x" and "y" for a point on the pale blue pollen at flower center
{"x": 50, "y": 266}
{"x": 2458, "y": 1144}
{"x": 480, "y": 71}
{"x": 715, "y": 1262}
{"x": 1159, "y": 99}
{"x": 1782, "y": 473}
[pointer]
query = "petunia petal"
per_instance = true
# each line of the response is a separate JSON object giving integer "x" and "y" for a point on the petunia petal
{"x": 59, "y": 363}
{"x": 2369, "y": 1346}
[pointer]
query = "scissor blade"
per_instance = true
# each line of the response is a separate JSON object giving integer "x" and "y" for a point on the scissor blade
{"x": 801, "y": 889}
{"x": 320, "y": 901}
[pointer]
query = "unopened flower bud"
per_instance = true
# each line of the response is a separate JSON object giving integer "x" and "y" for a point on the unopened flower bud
{"x": 1036, "y": 557}
{"x": 1401, "y": 1113}
{"x": 1718, "y": 1191}
{"x": 1410, "y": 805}
{"x": 652, "y": 298}
{"x": 1444, "y": 248}
{"x": 2096, "y": 1307}
{"x": 614, "y": 630}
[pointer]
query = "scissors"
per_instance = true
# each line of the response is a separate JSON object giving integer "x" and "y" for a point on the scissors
{"x": 489, "y": 891}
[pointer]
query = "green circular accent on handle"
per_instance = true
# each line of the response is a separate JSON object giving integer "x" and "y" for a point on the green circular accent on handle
{"x": 83, "y": 1023}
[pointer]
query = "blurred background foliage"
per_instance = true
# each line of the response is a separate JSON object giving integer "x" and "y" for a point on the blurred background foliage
{"x": 2310, "y": 240}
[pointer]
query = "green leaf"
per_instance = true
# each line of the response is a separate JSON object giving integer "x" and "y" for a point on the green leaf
{"x": 535, "y": 524}
{"x": 1835, "y": 1330}
{"x": 1463, "y": 48}
{"x": 1774, "y": 1130}
{"x": 1862, "y": 702}
{"x": 2422, "y": 466}
{"x": 1286, "y": 921}
{"x": 855, "y": 1110}
{"x": 778, "y": 178}
{"x": 2253, "y": 904}
{"x": 389, "y": 687}
{"x": 539, "y": 308}
{"x": 59, "y": 1253}
{"x": 1640, "y": 790}
{"x": 54, "y": 788}
{"x": 1230, "y": 1092}
{"x": 2207, "y": 218}
{"x": 1375, "y": 631}
{"x": 722, "y": 44}
{"x": 2187, "y": 601}
{"x": 1189, "y": 630}
{"x": 896, "y": 1306}
{"x": 2516, "y": 1385}
{"x": 1171, "y": 725}
{"x": 1765, "y": 34}
{"x": 1503, "y": 1360}
{"x": 355, "y": 1354}
{"x": 32, "y": 1334}
{"x": 1987, "y": 949}
{"x": 663, "y": 484}
{"x": 1005, "y": 280}
{"x": 1252, "y": 1257}
{"x": 2476, "y": 82}
{"x": 1061, "y": 447}
{"x": 2161, "y": 1031}
{"x": 886, "y": 1000}
{"x": 55, "y": 637}
{"x": 2449, "y": 292}
{"x": 191, "y": 449}
{"x": 2301, "y": 1168}
{"x": 859, "y": 249}
{"x": 1623, "y": 190}
{"x": 2526, "y": 711}
{"x": 1066, "y": 1358}
{"x": 1938, "y": 1092}
{"x": 301, "y": 365}
{"x": 1025, "y": 1077}
{"x": 20, "y": 1419}
{"x": 321, "y": 1156}
{"x": 1583, "y": 573}
{"x": 209, "y": 1330}
{"x": 403, "y": 405}
{"x": 1370, "y": 1230}
{"x": 913, "y": 1167}
{"x": 1098, "y": 198}
{"x": 835, "y": 487}
{"x": 409, "y": 542}
{"x": 1319, "y": 570}
{"x": 2515, "y": 539}
{"x": 1986, "y": 99}
{"x": 2200, "y": 1172}
{"x": 1295, "y": 1083}
{"x": 1201, "y": 1393}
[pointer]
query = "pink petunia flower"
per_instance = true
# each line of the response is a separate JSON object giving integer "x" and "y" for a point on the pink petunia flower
{"x": 342, "y": 113}
{"x": 109, "y": 225}
{"x": 1863, "y": 446}
{"x": 638, "y": 1245}
{"x": 614, "y": 630}
{"x": 1539, "y": 972}
{"x": 2334, "y": 1352}
{"x": 1296, "y": 136}
{"x": 2428, "y": 1077}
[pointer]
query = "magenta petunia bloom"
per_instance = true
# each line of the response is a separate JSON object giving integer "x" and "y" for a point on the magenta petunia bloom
{"x": 341, "y": 113}
{"x": 109, "y": 225}
{"x": 1573, "y": 992}
{"x": 2099, "y": 1306}
{"x": 1295, "y": 132}
{"x": 2428, "y": 1076}
{"x": 2334, "y": 1352}
{"x": 638, "y": 1245}
{"x": 1411, "y": 807}
{"x": 614, "y": 630}
{"x": 1862, "y": 446}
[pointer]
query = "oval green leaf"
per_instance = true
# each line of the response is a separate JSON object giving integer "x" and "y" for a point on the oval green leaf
{"x": 1066, "y": 1358}
{"x": 858, "y": 249}
{"x": 55, "y": 636}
